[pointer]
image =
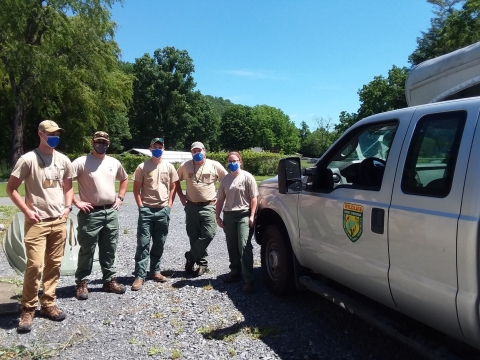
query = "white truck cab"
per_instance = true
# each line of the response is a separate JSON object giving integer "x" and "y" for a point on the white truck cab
{"x": 391, "y": 211}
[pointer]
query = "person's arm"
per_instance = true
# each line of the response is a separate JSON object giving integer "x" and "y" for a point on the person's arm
{"x": 171, "y": 194}
{"x": 253, "y": 208}
{"x": 136, "y": 193}
{"x": 121, "y": 193}
{"x": 181, "y": 195}
{"x": 68, "y": 193}
{"x": 12, "y": 191}
{"x": 218, "y": 210}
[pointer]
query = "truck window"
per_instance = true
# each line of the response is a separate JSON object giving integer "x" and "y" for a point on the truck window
{"x": 432, "y": 154}
{"x": 359, "y": 159}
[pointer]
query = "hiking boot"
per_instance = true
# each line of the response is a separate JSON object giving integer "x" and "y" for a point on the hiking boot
{"x": 53, "y": 313}
{"x": 26, "y": 320}
{"x": 230, "y": 278}
{"x": 188, "y": 265}
{"x": 114, "y": 286}
{"x": 137, "y": 284}
{"x": 81, "y": 292}
{"x": 248, "y": 288}
{"x": 157, "y": 277}
{"x": 201, "y": 270}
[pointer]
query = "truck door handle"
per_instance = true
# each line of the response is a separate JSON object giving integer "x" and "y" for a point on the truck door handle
{"x": 378, "y": 216}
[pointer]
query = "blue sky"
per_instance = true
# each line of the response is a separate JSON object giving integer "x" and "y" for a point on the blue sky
{"x": 308, "y": 58}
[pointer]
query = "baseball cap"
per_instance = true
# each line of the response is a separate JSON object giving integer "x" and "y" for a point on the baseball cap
{"x": 156, "y": 140}
{"x": 49, "y": 126}
{"x": 197, "y": 145}
{"x": 101, "y": 135}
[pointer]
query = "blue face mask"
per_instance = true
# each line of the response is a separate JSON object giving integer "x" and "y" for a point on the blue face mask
{"x": 198, "y": 156}
{"x": 233, "y": 166}
{"x": 157, "y": 153}
{"x": 100, "y": 148}
{"x": 53, "y": 141}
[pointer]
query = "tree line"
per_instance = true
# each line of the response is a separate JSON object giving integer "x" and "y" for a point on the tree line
{"x": 59, "y": 60}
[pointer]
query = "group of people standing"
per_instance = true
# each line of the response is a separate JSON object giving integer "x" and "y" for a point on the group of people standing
{"x": 49, "y": 197}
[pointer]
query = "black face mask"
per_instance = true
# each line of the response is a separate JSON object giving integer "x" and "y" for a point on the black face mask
{"x": 100, "y": 148}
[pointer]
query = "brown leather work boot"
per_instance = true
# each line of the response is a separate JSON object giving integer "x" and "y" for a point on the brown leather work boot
{"x": 52, "y": 313}
{"x": 26, "y": 320}
{"x": 137, "y": 284}
{"x": 81, "y": 292}
{"x": 157, "y": 277}
{"x": 114, "y": 286}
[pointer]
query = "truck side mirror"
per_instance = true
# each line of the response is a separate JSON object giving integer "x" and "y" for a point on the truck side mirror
{"x": 289, "y": 175}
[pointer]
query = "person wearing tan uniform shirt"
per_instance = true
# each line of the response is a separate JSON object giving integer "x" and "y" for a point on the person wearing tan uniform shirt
{"x": 48, "y": 201}
{"x": 154, "y": 190}
{"x": 98, "y": 216}
{"x": 200, "y": 174}
{"x": 237, "y": 196}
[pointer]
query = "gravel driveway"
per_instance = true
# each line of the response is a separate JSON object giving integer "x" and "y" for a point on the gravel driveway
{"x": 194, "y": 318}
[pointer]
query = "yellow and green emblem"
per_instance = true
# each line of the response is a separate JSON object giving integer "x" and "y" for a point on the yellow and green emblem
{"x": 353, "y": 221}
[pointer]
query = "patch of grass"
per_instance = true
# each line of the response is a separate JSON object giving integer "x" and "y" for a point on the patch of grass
{"x": 231, "y": 352}
{"x": 154, "y": 351}
{"x": 176, "y": 354}
{"x": 6, "y": 216}
{"x": 256, "y": 332}
{"x": 209, "y": 286}
{"x": 157, "y": 315}
{"x": 134, "y": 341}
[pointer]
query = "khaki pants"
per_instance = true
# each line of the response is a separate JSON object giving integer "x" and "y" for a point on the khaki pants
{"x": 44, "y": 248}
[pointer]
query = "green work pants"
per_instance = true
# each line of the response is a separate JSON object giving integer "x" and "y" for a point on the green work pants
{"x": 201, "y": 228}
{"x": 100, "y": 226}
{"x": 239, "y": 242}
{"x": 152, "y": 223}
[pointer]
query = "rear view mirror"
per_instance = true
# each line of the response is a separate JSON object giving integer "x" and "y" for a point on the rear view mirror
{"x": 289, "y": 175}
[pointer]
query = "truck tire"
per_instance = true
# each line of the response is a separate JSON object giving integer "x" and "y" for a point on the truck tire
{"x": 277, "y": 261}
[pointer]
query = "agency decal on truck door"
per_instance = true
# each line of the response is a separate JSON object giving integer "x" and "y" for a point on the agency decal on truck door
{"x": 353, "y": 221}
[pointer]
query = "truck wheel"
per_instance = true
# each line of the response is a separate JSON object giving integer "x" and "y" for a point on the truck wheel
{"x": 277, "y": 262}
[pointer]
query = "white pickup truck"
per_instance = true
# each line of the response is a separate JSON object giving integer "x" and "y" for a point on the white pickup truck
{"x": 391, "y": 210}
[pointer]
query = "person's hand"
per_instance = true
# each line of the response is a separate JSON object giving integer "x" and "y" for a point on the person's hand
{"x": 32, "y": 216}
{"x": 220, "y": 222}
{"x": 117, "y": 204}
{"x": 251, "y": 221}
{"x": 86, "y": 207}
{"x": 65, "y": 213}
{"x": 183, "y": 199}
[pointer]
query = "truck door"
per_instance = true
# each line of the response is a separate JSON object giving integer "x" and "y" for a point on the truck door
{"x": 342, "y": 216}
{"x": 424, "y": 213}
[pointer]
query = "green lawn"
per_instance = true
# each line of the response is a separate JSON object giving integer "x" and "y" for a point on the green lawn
{"x": 21, "y": 189}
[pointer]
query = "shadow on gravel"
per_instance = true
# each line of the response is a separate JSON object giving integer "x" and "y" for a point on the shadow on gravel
{"x": 9, "y": 321}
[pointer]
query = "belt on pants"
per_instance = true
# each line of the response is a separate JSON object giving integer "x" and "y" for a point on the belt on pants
{"x": 202, "y": 203}
{"x": 103, "y": 207}
{"x": 50, "y": 219}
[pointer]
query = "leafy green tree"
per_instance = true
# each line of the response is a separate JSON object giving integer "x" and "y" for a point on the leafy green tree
{"x": 219, "y": 104}
{"x": 450, "y": 30}
{"x": 60, "y": 60}
{"x": 162, "y": 97}
{"x": 304, "y": 131}
{"x": 274, "y": 130}
{"x": 379, "y": 95}
{"x": 237, "y": 128}
{"x": 204, "y": 123}
{"x": 318, "y": 141}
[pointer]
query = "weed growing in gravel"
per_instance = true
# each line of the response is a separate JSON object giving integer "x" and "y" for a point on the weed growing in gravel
{"x": 175, "y": 310}
{"x": 209, "y": 286}
{"x": 213, "y": 308}
{"x": 178, "y": 326}
{"x": 231, "y": 352}
{"x": 157, "y": 315}
{"x": 175, "y": 354}
{"x": 125, "y": 231}
{"x": 256, "y": 332}
{"x": 106, "y": 322}
{"x": 134, "y": 341}
{"x": 154, "y": 351}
